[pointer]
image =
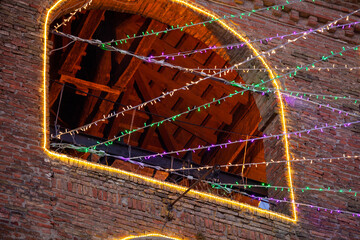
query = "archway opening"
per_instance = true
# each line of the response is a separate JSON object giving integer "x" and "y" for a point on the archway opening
{"x": 96, "y": 90}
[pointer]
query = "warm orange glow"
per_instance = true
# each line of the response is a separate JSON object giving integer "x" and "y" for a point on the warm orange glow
{"x": 80, "y": 162}
{"x": 150, "y": 235}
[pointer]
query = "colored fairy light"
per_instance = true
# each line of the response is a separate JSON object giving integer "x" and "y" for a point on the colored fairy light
{"x": 208, "y": 147}
{"x": 299, "y": 160}
{"x": 284, "y": 200}
{"x": 96, "y": 42}
{"x": 241, "y": 44}
{"x": 281, "y": 188}
{"x": 253, "y": 86}
{"x": 172, "y": 118}
{"x": 191, "y": 24}
{"x": 80, "y": 162}
{"x": 346, "y": 67}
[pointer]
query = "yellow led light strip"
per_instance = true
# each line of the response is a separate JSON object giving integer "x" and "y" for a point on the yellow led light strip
{"x": 84, "y": 163}
{"x": 150, "y": 235}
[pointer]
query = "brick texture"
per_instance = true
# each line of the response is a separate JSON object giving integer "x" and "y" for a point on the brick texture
{"x": 45, "y": 198}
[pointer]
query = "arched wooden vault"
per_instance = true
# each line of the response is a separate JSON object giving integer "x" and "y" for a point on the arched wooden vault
{"x": 99, "y": 82}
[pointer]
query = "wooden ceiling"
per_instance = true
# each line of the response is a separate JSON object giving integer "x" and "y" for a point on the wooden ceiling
{"x": 99, "y": 82}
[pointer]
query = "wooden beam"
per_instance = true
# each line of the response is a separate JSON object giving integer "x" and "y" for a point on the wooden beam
{"x": 195, "y": 116}
{"x": 162, "y": 46}
{"x": 88, "y": 28}
{"x": 77, "y": 50}
{"x": 145, "y": 91}
{"x": 254, "y": 154}
{"x": 246, "y": 121}
{"x": 120, "y": 79}
{"x": 204, "y": 134}
{"x": 190, "y": 98}
{"x": 101, "y": 76}
{"x": 90, "y": 85}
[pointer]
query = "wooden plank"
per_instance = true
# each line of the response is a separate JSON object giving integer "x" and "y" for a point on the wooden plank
{"x": 190, "y": 98}
{"x": 204, "y": 134}
{"x": 247, "y": 123}
{"x": 102, "y": 76}
{"x": 255, "y": 153}
{"x": 162, "y": 46}
{"x": 142, "y": 48}
{"x": 145, "y": 91}
{"x": 90, "y": 25}
{"x": 90, "y": 85}
{"x": 69, "y": 65}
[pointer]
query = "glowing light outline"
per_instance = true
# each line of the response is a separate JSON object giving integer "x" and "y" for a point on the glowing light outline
{"x": 72, "y": 161}
{"x": 149, "y": 235}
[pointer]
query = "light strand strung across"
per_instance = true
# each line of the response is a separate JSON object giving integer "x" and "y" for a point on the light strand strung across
{"x": 286, "y": 188}
{"x": 304, "y": 98}
{"x": 155, "y": 100}
{"x": 171, "y": 170}
{"x": 299, "y": 160}
{"x": 191, "y": 24}
{"x": 229, "y": 142}
{"x": 309, "y": 94}
{"x": 229, "y": 186}
{"x": 162, "y": 63}
{"x": 323, "y": 105}
{"x": 298, "y": 204}
{"x": 198, "y": 108}
{"x": 270, "y": 199}
{"x": 241, "y": 44}
{"x": 63, "y": 23}
{"x": 149, "y": 236}
{"x": 346, "y": 67}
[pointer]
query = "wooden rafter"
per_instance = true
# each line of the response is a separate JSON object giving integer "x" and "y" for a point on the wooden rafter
{"x": 120, "y": 79}
{"x": 246, "y": 121}
{"x": 89, "y": 85}
{"x": 77, "y": 50}
{"x": 145, "y": 92}
{"x": 87, "y": 30}
{"x": 190, "y": 99}
{"x": 204, "y": 134}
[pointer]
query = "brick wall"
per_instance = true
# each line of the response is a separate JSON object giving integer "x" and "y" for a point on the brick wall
{"x": 43, "y": 198}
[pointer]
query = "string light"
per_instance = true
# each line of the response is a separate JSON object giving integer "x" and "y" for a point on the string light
{"x": 191, "y": 24}
{"x": 171, "y": 170}
{"x": 229, "y": 142}
{"x": 348, "y": 68}
{"x": 84, "y": 163}
{"x": 83, "y": 7}
{"x": 298, "y": 204}
{"x": 281, "y": 188}
{"x": 310, "y": 94}
{"x": 162, "y": 63}
{"x": 79, "y": 162}
{"x": 145, "y": 236}
{"x": 235, "y": 46}
{"x": 173, "y": 118}
{"x": 299, "y": 160}
{"x": 247, "y": 87}
{"x": 323, "y": 105}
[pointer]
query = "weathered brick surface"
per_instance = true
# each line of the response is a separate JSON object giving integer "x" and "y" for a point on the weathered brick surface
{"x": 42, "y": 198}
